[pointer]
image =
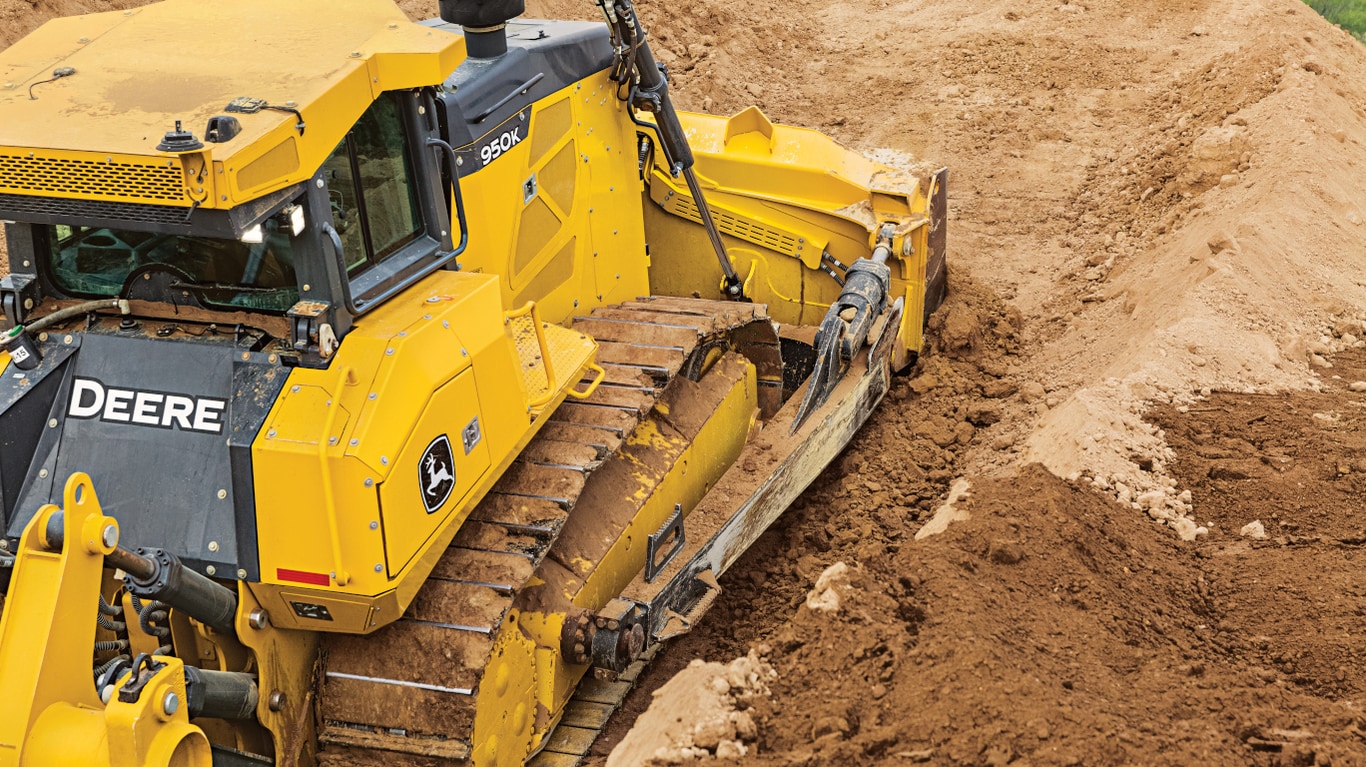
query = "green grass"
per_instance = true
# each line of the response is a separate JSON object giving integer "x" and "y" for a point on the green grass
{"x": 1348, "y": 14}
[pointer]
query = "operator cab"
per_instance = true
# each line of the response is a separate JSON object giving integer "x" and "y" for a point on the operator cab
{"x": 370, "y": 223}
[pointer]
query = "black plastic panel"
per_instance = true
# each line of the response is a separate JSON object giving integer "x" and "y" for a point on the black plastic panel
{"x": 26, "y": 398}
{"x": 188, "y": 490}
{"x": 560, "y": 52}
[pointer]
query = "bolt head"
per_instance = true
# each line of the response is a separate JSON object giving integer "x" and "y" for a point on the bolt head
{"x": 258, "y": 618}
{"x": 374, "y": 525}
{"x": 170, "y": 702}
{"x": 276, "y": 701}
{"x": 379, "y": 568}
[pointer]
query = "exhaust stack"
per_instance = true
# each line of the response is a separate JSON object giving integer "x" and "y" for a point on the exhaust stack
{"x": 484, "y": 23}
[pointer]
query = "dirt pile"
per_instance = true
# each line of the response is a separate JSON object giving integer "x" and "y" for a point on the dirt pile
{"x": 702, "y": 712}
{"x": 1155, "y": 185}
{"x": 1050, "y": 627}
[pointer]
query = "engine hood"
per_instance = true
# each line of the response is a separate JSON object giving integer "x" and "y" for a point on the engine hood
{"x": 164, "y": 428}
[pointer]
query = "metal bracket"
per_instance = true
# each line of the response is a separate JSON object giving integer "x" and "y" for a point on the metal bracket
{"x": 145, "y": 668}
{"x": 310, "y": 334}
{"x": 891, "y": 325}
{"x": 671, "y": 530}
{"x": 18, "y": 295}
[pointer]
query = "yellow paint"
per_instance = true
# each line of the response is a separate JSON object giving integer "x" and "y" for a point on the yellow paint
{"x": 403, "y": 516}
{"x": 693, "y": 470}
{"x": 285, "y": 662}
{"x": 96, "y": 131}
{"x": 336, "y": 466}
{"x": 579, "y": 242}
{"x": 782, "y": 196}
{"x": 506, "y": 713}
{"x": 53, "y": 716}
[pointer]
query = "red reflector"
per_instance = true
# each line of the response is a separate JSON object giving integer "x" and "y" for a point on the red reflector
{"x": 301, "y": 576}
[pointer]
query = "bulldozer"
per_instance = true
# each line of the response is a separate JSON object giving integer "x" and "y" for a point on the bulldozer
{"x": 388, "y": 392}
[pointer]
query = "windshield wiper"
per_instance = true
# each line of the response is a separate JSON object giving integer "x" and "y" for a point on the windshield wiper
{"x": 225, "y": 288}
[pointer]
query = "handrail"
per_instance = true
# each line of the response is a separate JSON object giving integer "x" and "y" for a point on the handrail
{"x": 600, "y": 374}
{"x": 552, "y": 384}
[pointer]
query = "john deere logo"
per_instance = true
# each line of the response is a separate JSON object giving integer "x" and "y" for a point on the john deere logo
{"x": 436, "y": 473}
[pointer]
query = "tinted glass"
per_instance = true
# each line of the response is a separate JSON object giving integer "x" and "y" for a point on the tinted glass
{"x": 229, "y": 274}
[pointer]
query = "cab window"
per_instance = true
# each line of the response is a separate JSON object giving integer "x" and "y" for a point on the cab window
{"x": 372, "y": 189}
{"x": 222, "y": 274}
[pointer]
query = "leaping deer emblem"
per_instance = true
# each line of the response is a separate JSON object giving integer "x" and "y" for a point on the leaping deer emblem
{"x": 434, "y": 475}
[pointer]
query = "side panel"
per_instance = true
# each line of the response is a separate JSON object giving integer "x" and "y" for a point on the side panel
{"x": 26, "y": 398}
{"x": 362, "y": 473}
{"x": 443, "y": 461}
{"x": 558, "y": 212}
{"x": 549, "y": 170}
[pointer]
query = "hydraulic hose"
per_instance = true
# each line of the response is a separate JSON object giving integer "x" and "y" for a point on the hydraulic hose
{"x": 108, "y": 609}
{"x": 43, "y": 323}
{"x": 110, "y": 625}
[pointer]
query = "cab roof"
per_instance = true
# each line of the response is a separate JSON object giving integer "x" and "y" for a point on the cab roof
{"x": 94, "y": 134}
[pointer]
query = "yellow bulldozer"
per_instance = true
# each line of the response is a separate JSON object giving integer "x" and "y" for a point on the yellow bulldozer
{"x": 380, "y": 392}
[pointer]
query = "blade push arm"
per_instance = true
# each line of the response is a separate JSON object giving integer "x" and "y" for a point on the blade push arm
{"x": 649, "y": 92}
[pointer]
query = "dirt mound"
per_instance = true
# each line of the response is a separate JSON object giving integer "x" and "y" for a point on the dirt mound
{"x": 1049, "y": 624}
{"x": 703, "y": 711}
{"x": 1051, "y": 627}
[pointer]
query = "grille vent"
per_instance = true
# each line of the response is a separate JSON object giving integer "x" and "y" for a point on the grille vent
{"x": 130, "y": 181}
{"x": 740, "y": 228}
{"x": 21, "y": 207}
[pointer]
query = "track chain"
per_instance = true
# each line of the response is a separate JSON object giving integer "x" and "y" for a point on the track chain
{"x": 376, "y": 697}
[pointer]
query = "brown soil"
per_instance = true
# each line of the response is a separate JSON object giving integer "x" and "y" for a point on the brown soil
{"x": 1156, "y": 229}
{"x": 1055, "y": 626}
